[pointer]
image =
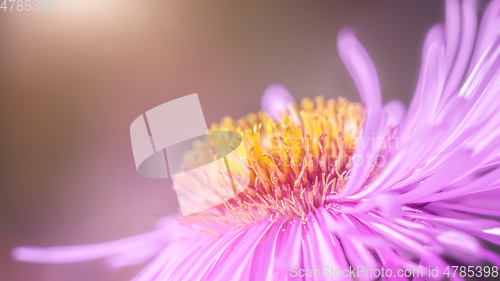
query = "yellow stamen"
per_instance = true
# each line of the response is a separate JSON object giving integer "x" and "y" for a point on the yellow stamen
{"x": 309, "y": 159}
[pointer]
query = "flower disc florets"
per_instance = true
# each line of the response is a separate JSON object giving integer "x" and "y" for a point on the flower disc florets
{"x": 293, "y": 164}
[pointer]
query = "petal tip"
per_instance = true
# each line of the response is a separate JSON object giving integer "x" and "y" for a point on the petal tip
{"x": 276, "y": 100}
{"x": 21, "y": 254}
{"x": 347, "y": 31}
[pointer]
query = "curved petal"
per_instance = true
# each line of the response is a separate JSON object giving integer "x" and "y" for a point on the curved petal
{"x": 489, "y": 29}
{"x": 128, "y": 251}
{"x": 452, "y": 13}
{"x": 395, "y": 112}
{"x": 276, "y": 100}
{"x": 430, "y": 83}
{"x": 361, "y": 68}
{"x": 468, "y": 24}
{"x": 365, "y": 154}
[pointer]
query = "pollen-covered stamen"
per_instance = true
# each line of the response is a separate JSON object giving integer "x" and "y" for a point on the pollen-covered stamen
{"x": 293, "y": 166}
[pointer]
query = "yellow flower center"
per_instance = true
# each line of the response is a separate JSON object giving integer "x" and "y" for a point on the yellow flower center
{"x": 293, "y": 164}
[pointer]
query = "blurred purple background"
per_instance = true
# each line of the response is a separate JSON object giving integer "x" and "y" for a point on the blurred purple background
{"x": 72, "y": 81}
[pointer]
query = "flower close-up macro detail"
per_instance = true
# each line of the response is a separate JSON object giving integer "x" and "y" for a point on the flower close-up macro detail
{"x": 332, "y": 184}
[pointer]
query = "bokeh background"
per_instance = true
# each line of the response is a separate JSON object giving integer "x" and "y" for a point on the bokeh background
{"x": 73, "y": 80}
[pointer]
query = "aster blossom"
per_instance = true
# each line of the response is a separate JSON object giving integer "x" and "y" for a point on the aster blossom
{"x": 347, "y": 185}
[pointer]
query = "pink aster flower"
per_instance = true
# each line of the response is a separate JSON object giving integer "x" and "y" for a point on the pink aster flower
{"x": 336, "y": 184}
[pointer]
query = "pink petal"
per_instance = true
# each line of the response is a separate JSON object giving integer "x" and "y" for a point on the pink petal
{"x": 361, "y": 68}
{"x": 276, "y": 101}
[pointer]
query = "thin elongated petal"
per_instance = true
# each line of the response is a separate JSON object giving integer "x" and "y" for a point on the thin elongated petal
{"x": 123, "y": 252}
{"x": 276, "y": 101}
{"x": 468, "y": 22}
{"x": 361, "y": 68}
{"x": 489, "y": 29}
